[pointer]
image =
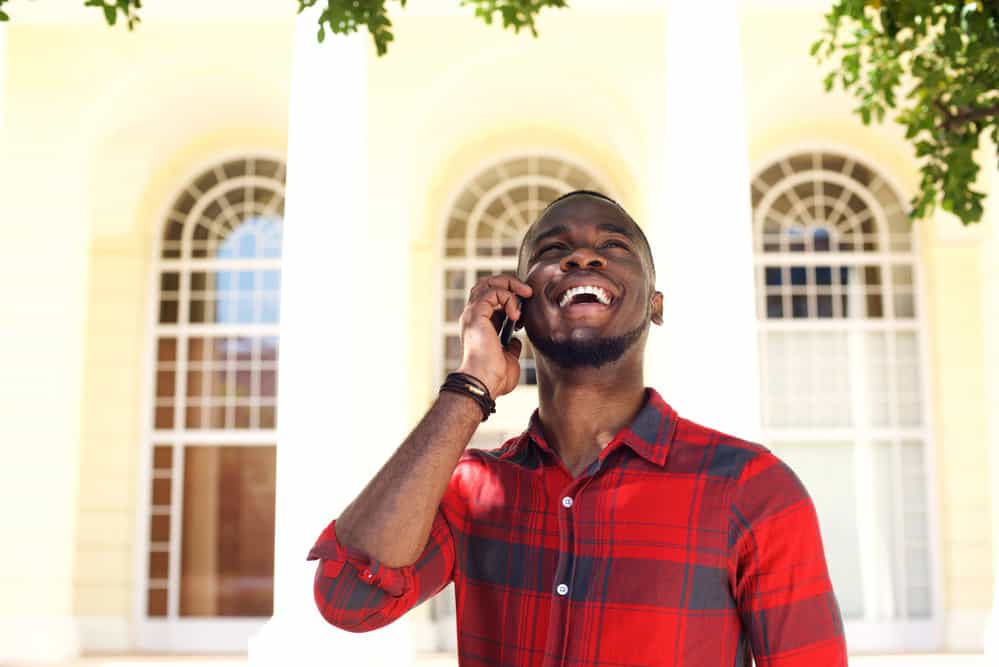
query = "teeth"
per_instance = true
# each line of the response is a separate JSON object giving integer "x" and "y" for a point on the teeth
{"x": 598, "y": 292}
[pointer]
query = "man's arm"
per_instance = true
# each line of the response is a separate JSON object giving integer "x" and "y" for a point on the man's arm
{"x": 390, "y": 520}
{"x": 393, "y": 532}
{"x": 781, "y": 581}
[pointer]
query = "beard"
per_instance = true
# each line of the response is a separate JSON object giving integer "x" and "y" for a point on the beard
{"x": 588, "y": 353}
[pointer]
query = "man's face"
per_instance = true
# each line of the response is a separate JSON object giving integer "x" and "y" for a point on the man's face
{"x": 586, "y": 242}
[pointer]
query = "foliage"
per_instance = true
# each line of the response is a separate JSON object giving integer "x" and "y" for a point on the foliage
{"x": 346, "y": 16}
{"x": 945, "y": 58}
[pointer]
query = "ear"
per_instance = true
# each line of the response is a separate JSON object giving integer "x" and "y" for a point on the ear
{"x": 657, "y": 308}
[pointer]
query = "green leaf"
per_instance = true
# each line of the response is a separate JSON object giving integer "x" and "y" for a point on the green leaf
{"x": 110, "y": 14}
{"x": 3, "y": 16}
{"x": 935, "y": 62}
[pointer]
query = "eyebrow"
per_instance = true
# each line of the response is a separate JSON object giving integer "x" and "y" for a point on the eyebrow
{"x": 615, "y": 229}
{"x": 554, "y": 231}
{"x": 603, "y": 227}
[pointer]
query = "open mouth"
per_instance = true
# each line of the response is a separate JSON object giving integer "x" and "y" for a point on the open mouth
{"x": 584, "y": 294}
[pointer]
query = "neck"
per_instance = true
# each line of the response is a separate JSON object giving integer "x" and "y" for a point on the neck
{"x": 581, "y": 410}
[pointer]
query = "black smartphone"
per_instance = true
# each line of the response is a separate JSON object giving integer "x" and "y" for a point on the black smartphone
{"x": 506, "y": 331}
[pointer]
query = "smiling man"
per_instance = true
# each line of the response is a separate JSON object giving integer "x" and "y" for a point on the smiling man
{"x": 612, "y": 531}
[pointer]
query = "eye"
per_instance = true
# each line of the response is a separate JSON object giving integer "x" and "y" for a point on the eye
{"x": 614, "y": 243}
{"x": 551, "y": 246}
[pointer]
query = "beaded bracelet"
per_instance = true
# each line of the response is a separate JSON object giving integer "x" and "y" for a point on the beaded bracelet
{"x": 471, "y": 386}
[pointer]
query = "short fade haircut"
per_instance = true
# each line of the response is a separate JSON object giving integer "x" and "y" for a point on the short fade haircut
{"x": 598, "y": 195}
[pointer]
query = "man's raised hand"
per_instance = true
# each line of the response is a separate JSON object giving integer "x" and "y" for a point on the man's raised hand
{"x": 491, "y": 300}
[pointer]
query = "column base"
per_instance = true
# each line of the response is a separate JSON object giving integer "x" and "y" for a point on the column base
{"x": 992, "y": 635}
{"x": 308, "y": 640}
{"x": 965, "y": 629}
{"x": 38, "y": 639}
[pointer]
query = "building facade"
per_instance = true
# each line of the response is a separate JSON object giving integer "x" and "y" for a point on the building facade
{"x": 236, "y": 259}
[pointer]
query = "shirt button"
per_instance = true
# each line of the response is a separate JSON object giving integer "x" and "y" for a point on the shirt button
{"x": 567, "y": 502}
{"x": 562, "y": 589}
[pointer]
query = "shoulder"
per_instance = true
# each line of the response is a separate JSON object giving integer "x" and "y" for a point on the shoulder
{"x": 761, "y": 482}
{"x": 476, "y": 463}
{"x": 481, "y": 475}
{"x": 474, "y": 456}
{"x": 715, "y": 453}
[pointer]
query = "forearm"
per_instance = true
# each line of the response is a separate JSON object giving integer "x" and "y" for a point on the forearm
{"x": 390, "y": 520}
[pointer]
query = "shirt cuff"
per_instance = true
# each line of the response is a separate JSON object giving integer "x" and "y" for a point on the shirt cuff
{"x": 334, "y": 556}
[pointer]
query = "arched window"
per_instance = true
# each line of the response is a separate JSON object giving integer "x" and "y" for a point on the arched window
{"x": 842, "y": 386}
{"x": 212, "y": 423}
{"x": 484, "y": 228}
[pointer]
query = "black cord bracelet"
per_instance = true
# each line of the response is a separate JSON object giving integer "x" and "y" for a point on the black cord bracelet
{"x": 474, "y": 388}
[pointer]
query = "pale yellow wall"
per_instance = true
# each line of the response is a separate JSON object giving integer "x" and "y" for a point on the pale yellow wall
{"x": 148, "y": 110}
{"x": 786, "y": 108}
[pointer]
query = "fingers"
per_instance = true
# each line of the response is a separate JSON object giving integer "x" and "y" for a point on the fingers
{"x": 514, "y": 347}
{"x": 487, "y": 303}
{"x": 501, "y": 281}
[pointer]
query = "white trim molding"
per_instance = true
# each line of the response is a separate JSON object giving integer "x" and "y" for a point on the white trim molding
{"x": 47, "y": 639}
{"x": 964, "y": 630}
{"x": 104, "y": 634}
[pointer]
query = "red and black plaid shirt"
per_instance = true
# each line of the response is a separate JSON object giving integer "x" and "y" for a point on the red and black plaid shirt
{"x": 678, "y": 546}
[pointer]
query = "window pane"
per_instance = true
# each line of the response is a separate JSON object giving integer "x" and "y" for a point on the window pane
{"x": 827, "y": 471}
{"x": 157, "y": 604}
{"x": 168, "y": 311}
{"x": 917, "y": 546}
{"x": 158, "y": 564}
{"x": 227, "y": 559}
{"x": 806, "y": 381}
{"x": 910, "y": 412}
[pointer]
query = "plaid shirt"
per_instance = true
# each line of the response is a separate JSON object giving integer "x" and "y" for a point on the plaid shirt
{"x": 678, "y": 546}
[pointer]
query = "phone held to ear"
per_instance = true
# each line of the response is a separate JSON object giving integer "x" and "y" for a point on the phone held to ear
{"x": 506, "y": 331}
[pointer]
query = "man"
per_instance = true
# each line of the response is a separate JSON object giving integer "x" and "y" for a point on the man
{"x": 612, "y": 532}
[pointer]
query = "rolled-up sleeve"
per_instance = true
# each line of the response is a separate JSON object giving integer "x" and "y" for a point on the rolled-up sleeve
{"x": 357, "y": 593}
{"x": 781, "y": 582}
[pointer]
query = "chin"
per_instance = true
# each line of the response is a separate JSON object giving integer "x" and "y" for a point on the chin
{"x": 586, "y": 347}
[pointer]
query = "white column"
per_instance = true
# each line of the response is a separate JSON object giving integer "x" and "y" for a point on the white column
{"x": 44, "y": 266}
{"x": 3, "y": 70}
{"x": 990, "y": 334}
{"x": 705, "y": 360}
{"x": 343, "y": 380}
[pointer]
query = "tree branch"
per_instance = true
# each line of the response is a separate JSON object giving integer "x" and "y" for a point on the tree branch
{"x": 968, "y": 115}
{"x": 954, "y": 120}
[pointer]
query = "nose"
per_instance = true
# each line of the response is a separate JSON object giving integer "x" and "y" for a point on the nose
{"x": 582, "y": 258}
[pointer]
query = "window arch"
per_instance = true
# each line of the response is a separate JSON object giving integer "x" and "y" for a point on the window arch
{"x": 211, "y": 428}
{"x": 842, "y": 387}
{"x": 485, "y": 225}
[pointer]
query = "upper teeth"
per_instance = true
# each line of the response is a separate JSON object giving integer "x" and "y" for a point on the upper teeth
{"x": 598, "y": 292}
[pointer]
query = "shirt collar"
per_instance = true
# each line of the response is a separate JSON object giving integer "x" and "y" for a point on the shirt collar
{"x": 649, "y": 434}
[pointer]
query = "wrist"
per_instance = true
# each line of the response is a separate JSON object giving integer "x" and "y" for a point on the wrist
{"x": 491, "y": 382}
{"x": 473, "y": 388}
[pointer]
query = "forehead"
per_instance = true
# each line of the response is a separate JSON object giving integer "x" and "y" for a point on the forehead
{"x": 582, "y": 212}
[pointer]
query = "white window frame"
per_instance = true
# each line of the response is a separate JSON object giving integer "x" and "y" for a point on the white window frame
{"x": 870, "y": 635}
{"x": 173, "y": 633}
